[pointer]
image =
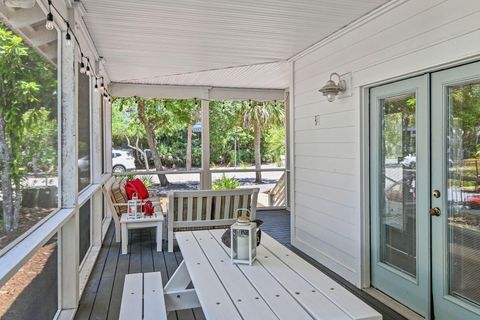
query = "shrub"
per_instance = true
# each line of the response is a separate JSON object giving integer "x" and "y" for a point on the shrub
{"x": 225, "y": 183}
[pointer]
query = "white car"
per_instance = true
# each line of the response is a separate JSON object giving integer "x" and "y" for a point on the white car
{"x": 122, "y": 161}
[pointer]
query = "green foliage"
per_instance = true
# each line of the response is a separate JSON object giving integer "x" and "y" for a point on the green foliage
{"x": 169, "y": 118}
{"x": 225, "y": 183}
{"x": 27, "y": 117}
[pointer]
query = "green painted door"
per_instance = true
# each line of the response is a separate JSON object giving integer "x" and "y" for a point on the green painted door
{"x": 400, "y": 191}
{"x": 456, "y": 177}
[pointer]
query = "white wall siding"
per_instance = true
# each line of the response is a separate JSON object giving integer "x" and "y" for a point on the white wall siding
{"x": 408, "y": 38}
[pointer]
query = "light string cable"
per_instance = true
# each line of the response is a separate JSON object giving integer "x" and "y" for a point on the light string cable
{"x": 84, "y": 67}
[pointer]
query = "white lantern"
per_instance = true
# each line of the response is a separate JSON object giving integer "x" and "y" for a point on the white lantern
{"x": 243, "y": 246}
{"x": 134, "y": 207}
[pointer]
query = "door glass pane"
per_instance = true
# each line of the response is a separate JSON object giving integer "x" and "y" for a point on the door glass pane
{"x": 398, "y": 165}
{"x": 463, "y": 164}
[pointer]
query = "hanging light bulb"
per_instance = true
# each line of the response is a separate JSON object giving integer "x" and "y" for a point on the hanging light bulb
{"x": 88, "y": 71}
{"x": 68, "y": 39}
{"x": 82, "y": 65}
{"x": 102, "y": 86}
{"x": 95, "y": 87}
{"x": 110, "y": 99}
{"x": 49, "y": 24}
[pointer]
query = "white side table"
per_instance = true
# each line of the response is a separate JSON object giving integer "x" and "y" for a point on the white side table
{"x": 156, "y": 220}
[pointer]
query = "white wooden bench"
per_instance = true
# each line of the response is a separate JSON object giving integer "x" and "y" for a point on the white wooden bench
{"x": 143, "y": 297}
{"x": 204, "y": 209}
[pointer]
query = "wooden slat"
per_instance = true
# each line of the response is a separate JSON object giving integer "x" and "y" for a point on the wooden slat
{"x": 131, "y": 308}
{"x": 235, "y": 205}
{"x": 209, "y": 208}
{"x": 247, "y": 299}
{"x": 279, "y": 300}
{"x": 153, "y": 299}
{"x": 217, "y": 305}
{"x": 218, "y": 205}
{"x": 199, "y": 208}
{"x": 350, "y": 304}
{"x": 190, "y": 208}
{"x": 180, "y": 209}
{"x": 245, "y": 202}
{"x": 226, "y": 211}
{"x": 307, "y": 295}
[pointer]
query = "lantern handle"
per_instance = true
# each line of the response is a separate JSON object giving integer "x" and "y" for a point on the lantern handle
{"x": 249, "y": 213}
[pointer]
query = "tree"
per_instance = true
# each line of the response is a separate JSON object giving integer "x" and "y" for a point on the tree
{"x": 21, "y": 96}
{"x": 146, "y": 112}
{"x": 192, "y": 114}
{"x": 260, "y": 116}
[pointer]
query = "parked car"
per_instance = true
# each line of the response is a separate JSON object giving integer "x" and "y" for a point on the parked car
{"x": 122, "y": 161}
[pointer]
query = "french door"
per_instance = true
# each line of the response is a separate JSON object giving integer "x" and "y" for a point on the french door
{"x": 456, "y": 193}
{"x": 400, "y": 191}
{"x": 425, "y": 192}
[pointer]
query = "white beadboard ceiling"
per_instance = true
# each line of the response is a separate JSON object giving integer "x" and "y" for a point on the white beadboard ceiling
{"x": 226, "y": 43}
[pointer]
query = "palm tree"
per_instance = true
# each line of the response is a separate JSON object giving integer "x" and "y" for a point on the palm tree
{"x": 258, "y": 116}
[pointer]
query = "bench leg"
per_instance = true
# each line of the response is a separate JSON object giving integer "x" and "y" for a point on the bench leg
{"x": 117, "y": 229}
{"x": 159, "y": 236}
{"x": 177, "y": 297}
{"x": 124, "y": 238}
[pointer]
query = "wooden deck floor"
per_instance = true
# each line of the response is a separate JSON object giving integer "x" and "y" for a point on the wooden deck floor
{"x": 102, "y": 295}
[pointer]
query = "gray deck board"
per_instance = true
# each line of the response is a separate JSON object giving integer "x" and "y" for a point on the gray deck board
{"x": 103, "y": 293}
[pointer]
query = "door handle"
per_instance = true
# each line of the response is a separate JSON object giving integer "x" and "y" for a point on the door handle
{"x": 435, "y": 211}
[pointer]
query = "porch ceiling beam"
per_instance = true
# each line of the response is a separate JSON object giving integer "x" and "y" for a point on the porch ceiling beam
{"x": 22, "y": 18}
{"x": 199, "y": 92}
{"x": 41, "y": 37}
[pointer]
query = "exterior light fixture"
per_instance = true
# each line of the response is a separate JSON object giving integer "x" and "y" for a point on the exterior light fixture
{"x": 332, "y": 89}
{"x": 95, "y": 88}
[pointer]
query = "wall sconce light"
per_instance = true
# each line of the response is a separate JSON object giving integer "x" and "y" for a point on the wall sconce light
{"x": 332, "y": 89}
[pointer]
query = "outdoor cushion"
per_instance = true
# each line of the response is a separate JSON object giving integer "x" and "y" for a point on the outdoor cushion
{"x": 130, "y": 189}
{"x": 142, "y": 191}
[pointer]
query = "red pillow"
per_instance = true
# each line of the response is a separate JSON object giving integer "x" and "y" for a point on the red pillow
{"x": 142, "y": 191}
{"x": 130, "y": 189}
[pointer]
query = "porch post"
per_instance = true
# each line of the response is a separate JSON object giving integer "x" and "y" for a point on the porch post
{"x": 68, "y": 235}
{"x": 206, "y": 176}
{"x": 96, "y": 134}
{"x": 287, "y": 149}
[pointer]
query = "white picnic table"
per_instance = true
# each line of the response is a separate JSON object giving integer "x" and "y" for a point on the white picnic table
{"x": 279, "y": 284}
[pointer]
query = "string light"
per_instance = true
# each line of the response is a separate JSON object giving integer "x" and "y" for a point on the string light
{"x": 85, "y": 67}
{"x": 82, "y": 65}
{"x": 87, "y": 70}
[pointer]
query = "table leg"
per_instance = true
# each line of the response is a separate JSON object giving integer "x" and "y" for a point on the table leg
{"x": 124, "y": 238}
{"x": 159, "y": 236}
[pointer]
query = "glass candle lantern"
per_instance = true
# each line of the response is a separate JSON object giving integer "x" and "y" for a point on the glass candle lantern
{"x": 243, "y": 248}
{"x": 134, "y": 207}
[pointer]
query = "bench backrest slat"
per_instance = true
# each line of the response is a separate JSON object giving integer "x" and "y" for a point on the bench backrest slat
{"x": 210, "y": 207}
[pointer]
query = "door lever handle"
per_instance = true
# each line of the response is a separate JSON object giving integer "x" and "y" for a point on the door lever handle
{"x": 435, "y": 211}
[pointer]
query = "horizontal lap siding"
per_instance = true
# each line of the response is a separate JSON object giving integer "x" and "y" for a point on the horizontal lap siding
{"x": 412, "y": 36}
